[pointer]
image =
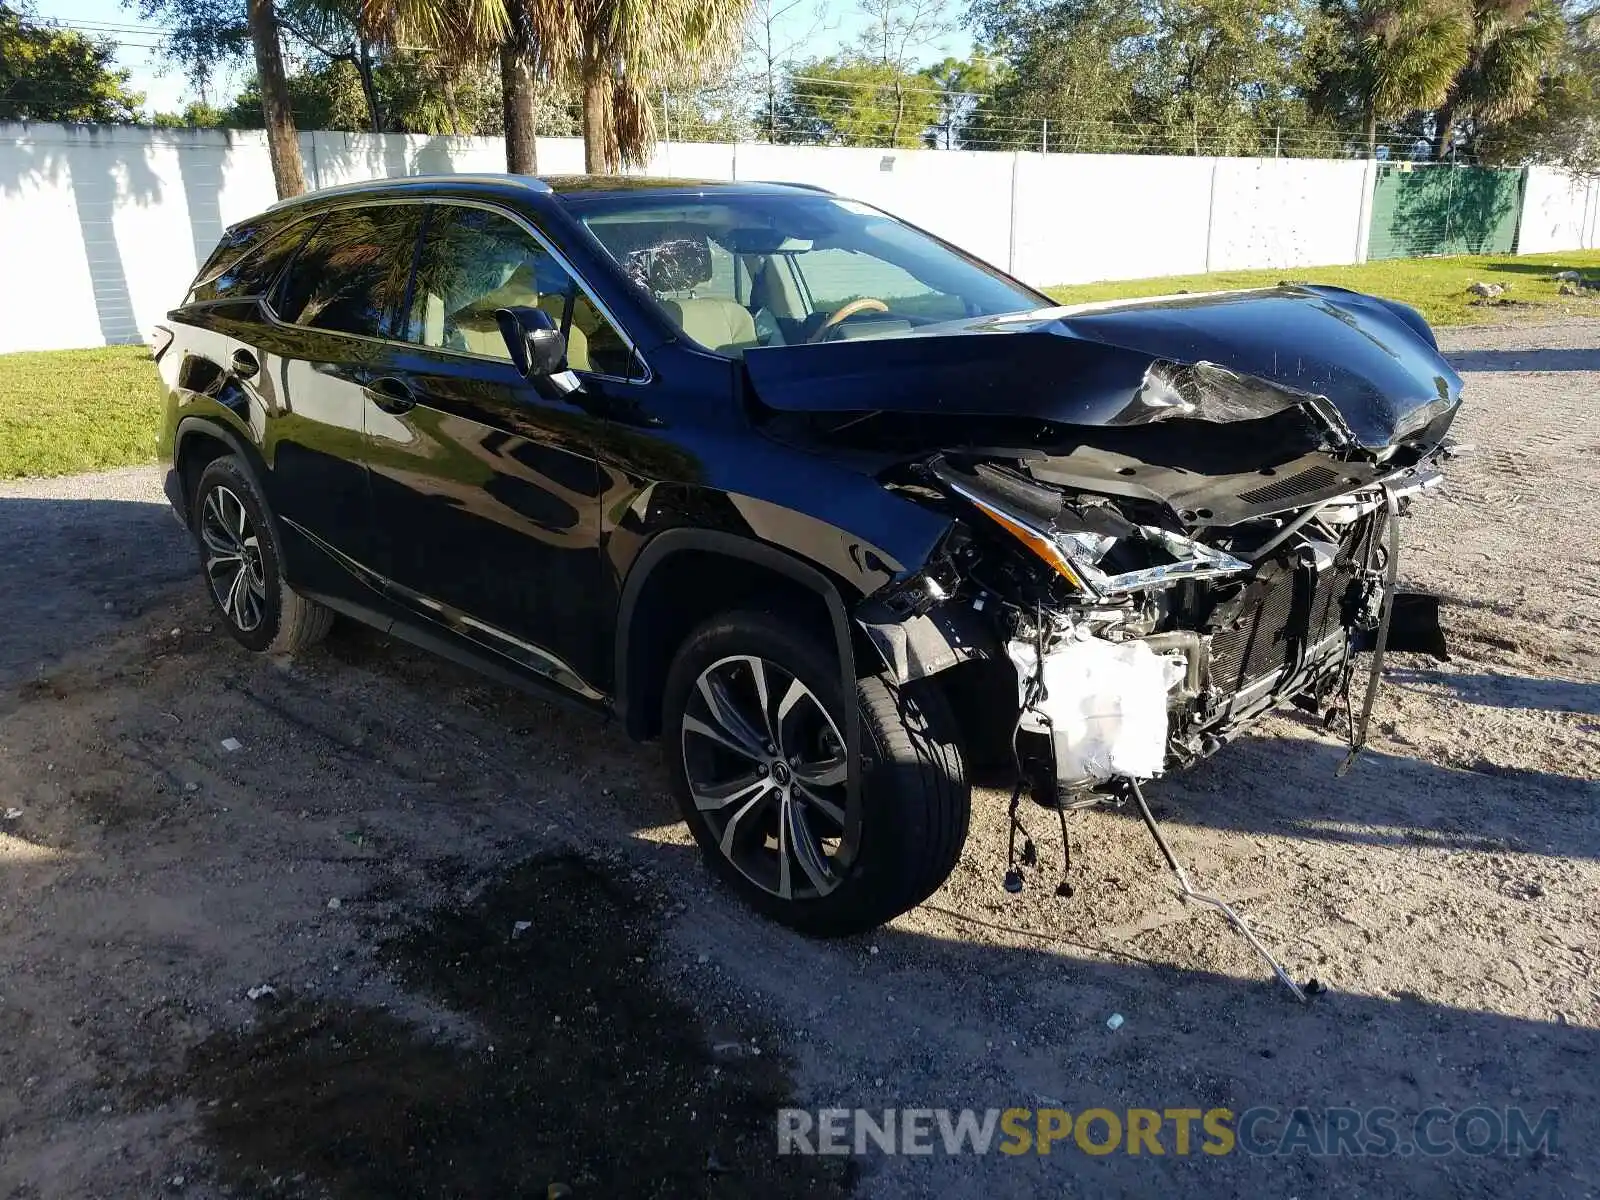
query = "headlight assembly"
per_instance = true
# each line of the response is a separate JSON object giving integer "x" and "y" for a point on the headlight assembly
{"x": 1076, "y": 555}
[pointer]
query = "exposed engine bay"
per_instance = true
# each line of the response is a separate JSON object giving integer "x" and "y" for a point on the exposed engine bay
{"x": 1151, "y": 610}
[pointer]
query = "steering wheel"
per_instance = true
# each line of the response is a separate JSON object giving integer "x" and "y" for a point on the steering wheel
{"x": 859, "y": 305}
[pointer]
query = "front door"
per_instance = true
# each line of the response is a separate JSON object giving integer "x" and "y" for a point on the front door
{"x": 488, "y": 493}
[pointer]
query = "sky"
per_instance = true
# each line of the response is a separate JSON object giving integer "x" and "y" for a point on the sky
{"x": 813, "y": 30}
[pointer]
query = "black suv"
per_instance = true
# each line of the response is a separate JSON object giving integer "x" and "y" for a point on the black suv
{"x": 836, "y": 510}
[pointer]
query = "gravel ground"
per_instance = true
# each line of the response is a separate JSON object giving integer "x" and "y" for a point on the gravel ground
{"x": 373, "y": 848}
{"x": 82, "y": 554}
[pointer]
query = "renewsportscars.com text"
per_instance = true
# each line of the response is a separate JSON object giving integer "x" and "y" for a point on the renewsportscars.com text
{"x": 1352, "y": 1132}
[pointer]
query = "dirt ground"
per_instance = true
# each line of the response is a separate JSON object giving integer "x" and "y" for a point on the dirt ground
{"x": 496, "y": 962}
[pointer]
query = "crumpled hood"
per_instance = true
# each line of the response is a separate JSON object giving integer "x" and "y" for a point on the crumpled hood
{"x": 1375, "y": 362}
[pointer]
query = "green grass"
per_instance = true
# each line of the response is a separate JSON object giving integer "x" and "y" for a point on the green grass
{"x": 64, "y": 411}
{"x": 1436, "y": 286}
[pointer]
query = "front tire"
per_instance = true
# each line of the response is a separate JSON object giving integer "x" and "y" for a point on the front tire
{"x": 753, "y": 730}
{"x": 242, "y": 564}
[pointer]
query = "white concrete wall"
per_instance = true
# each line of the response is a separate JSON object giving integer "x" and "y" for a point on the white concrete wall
{"x": 101, "y": 229}
{"x": 1286, "y": 212}
{"x": 1559, "y": 212}
{"x": 1083, "y": 217}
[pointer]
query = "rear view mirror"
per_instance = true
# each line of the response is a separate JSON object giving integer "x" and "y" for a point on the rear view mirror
{"x": 536, "y": 345}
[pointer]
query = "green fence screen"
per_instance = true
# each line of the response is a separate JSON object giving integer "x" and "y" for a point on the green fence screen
{"x": 1440, "y": 209}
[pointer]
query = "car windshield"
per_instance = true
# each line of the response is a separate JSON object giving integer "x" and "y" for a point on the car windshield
{"x": 734, "y": 272}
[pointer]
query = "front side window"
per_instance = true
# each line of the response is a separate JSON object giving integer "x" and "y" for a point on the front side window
{"x": 474, "y": 262}
{"x": 350, "y": 275}
{"x": 735, "y": 272}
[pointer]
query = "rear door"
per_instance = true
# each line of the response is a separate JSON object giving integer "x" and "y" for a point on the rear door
{"x": 333, "y": 315}
{"x": 488, "y": 492}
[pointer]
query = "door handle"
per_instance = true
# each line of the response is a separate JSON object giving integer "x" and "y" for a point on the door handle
{"x": 390, "y": 395}
{"x": 245, "y": 364}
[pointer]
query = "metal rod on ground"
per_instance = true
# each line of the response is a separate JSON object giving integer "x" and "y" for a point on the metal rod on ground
{"x": 1189, "y": 893}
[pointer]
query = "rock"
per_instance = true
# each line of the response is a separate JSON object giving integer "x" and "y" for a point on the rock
{"x": 1486, "y": 289}
{"x": 336, "y": 903}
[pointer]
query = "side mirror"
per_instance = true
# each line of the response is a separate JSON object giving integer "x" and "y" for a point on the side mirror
{"x": 536, "y": 345}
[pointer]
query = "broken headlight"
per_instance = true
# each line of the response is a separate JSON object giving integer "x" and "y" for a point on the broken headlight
{"x": 1077, "y": 555}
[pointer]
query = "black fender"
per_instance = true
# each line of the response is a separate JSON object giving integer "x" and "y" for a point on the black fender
{"x": 218, "y": 428}
{"x": 665, "y": 544}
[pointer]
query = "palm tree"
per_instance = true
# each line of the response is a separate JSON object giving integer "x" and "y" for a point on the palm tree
{"x": 625, "y": 49}
{"x": 1407, "y": 54}
{"x": 1396, "y": 55}
{"x": 527, "y": 36}
{"x": 1513, "y": 43}
{"x": 283, "y": 142}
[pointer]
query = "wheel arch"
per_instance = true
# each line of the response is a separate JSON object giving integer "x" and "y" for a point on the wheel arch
{"x": 684, "y": 576}
{"x": 198, "y": 442}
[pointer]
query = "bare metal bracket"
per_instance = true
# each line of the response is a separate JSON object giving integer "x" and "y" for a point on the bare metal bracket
{"x": 1188, "y": 892}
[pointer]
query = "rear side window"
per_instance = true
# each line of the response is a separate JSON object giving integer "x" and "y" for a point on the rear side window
{"x": 252, "y": 273}
{"x": 475, "y": 262}
{"x": 350, "y": 275}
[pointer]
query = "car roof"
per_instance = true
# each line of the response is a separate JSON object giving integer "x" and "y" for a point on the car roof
{"x": 514, "y": 187}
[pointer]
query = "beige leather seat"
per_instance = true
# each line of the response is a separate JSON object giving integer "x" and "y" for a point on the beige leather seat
{"x": 715, "y": 324}
{"x": 475, "y": 329}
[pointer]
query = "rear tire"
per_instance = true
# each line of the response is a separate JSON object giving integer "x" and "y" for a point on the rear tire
{"x": 241, "y": 563}
{"x": 773, "y": 771}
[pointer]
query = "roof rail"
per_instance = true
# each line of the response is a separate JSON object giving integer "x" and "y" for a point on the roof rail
{"x": 810, "y": 187}
{"x": 397, "y": 182}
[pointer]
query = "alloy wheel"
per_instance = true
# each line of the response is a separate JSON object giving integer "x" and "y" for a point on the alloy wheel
{"x": 233, "y": 558}
{"x": 766, "y": 766}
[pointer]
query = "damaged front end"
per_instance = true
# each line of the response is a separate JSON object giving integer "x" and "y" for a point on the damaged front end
{"x": 1221, "y": 545}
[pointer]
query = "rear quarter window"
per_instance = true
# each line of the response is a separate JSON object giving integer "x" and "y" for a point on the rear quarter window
{"x": 248, "y": 260}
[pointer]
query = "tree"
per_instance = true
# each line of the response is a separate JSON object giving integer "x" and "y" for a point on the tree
{"x": 624, "y": 51}
{"x": 49, "y": 74}
{"x": 1514, "y": 44}
{"x": 897, "y": 32}
{"x": 524, "y": 37}
{"x": 200, "y": 33}
{"x": 1073, "y": 63}
{"x": 961, "y": 85}
{"x": 283, "y": 141}
{"x": 1562, "y": 126}
{"x": 1165, "y": 76}
{"x": 770, "y": 50}
{"x": 197, "y": 114}
{"x": 1391, "y": 57}
{"x": 850, "y": 100}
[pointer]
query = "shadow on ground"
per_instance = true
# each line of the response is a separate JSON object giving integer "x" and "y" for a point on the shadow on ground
{"x": 1525, "y": 360}
{"x": 578, "y": 1066}
{"x": 77, "y": 569}
{"x": 1506, "y": 691}
{"x": 1385, "y": 800}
